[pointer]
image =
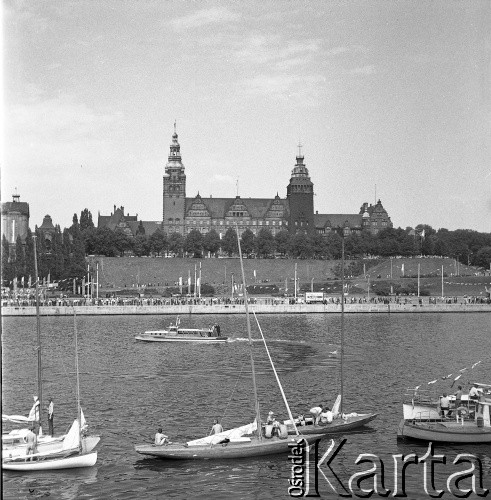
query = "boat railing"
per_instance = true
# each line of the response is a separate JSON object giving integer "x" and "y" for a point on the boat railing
{"x": 424, "y": 397}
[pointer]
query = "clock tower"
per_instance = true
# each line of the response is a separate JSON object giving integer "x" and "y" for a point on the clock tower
{"x": 300, "y": 196}
{"x": 174, "y": 190}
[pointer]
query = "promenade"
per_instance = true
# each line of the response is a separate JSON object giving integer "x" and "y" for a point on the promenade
{"x": 181, "y": 309}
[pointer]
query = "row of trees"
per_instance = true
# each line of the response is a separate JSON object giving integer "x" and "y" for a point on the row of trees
{"x": 61, "y": 257}
{"x": 469, "y": 247}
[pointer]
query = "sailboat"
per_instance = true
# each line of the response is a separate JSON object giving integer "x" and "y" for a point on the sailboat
{"x": 63, "y": 452}
{"x": 341, "y": 422}
{"x": 241, "y": 442}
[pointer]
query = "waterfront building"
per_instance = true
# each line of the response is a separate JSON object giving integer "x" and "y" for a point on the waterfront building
{"x": 295, "y": 213}
{"x": 15, "y": 219}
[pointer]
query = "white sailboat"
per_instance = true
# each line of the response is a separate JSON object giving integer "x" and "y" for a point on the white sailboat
{"x": 246, "y": 441}
{"x": 68, "y": 451}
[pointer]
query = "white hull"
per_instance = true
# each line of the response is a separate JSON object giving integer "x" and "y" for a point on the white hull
{"x": 181, "y": 338}
{"x": 72, "y": 462}
{"x": 45, "y": 449}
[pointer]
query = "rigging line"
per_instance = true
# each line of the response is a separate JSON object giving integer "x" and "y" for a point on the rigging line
{"x": 232, "y": 393}
{"x": 276, "y": 375}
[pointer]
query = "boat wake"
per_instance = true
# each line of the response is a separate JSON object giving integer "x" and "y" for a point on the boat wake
{"x": 240, "y": 339}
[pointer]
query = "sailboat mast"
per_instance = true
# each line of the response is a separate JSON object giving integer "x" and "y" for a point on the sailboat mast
{"x": 79, "y": 412}
{"x": 256, "y": 400}
{"x": 38, "y": 330}
{"x": 342, "y": 326}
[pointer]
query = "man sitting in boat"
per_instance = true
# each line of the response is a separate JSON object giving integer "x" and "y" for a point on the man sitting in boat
{"x": 161, "y": 438}
{"x": 326, "y": 417}
{"x": 217, "y": 428}
{"x": 270, "y": 419}
{"x": 444, "y": 405}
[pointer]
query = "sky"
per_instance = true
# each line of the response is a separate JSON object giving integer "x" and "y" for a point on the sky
{"x": 390, "y": 100}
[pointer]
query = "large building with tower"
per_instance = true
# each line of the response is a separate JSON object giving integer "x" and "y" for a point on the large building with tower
{"x": 294, "y": 213}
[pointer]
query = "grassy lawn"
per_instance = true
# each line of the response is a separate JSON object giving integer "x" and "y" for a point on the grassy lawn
{"x": 157, "y": 272}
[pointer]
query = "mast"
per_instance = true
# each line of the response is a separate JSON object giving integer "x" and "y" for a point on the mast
{"x": 256, "y": 400}
{"x": 38, "y": 348}
{"x": 342, "y": 324}
{"x": 79, "y": 410}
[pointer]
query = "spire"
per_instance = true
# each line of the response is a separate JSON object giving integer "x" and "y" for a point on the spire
{"x": 300, "y": 170}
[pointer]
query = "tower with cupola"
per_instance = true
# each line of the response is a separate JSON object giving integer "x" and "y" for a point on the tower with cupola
{"x": 174, "y": 190}
{"x": 300, "y": 196}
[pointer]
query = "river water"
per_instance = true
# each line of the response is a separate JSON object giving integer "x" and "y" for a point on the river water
{"x": 129, "y": 389}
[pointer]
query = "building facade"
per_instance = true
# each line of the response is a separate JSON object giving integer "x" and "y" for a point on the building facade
{"x": 294, "y": 213}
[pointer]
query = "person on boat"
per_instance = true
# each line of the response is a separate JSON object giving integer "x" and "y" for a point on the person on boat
{"x": 276, "y": 427}
{"x": 217, "y": 326}
{"x": 270, "y": 419}
{"x": 316, "y": 411}
{"x": 474, "y": 393}
{"x": 326, "y": 417}
{"x": 217, "y": 427}
{"x": 458, "y": 400}
{"x": 301, "y": 420}
{"x": 32, "y": 442}
{"x": 161, "y": 438}
{"x": 444, "y": 405}
{"x": 50, "y": 417}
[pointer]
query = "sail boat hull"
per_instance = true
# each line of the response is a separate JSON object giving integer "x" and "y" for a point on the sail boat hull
{"x": 252, "y": 448}
{"x": 337, "y": 425}
{"x": 71, "y": 462}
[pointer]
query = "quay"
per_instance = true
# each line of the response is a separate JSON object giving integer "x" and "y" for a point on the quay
{"x": 182, "y": 309}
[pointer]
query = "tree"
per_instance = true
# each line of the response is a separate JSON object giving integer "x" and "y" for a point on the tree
{"x": 283, "y": 240}
{"x": 122, "y": 241}
{"x": 176, "y": 243}
{"x": 483, "y": 257}
{"x": 265, "y": 243}
{"x": 301, "y": 246}
{"x": 20, "y": 258}
{"x": 247, "y": 242}
{"x": 77, "y": 255}
{"x": 229, "y": 242}
{"x": 211, "y": 242}
{"x": 193, "y": 243}
{"x": 158, "y": 241}
{"x": 333, "y": 245}
{"x": 29, "y": 252}
{"x": 85, "y": 220}
{"x": 141, "y": 245}
{"x": 7, "y": 273}
{"x": 319, "y": 246}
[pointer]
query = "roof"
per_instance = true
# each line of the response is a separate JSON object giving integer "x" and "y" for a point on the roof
{"x": 338, "y": 220}
{"x": 149, "y": 226}
{"x": 47, "y": 224}
{"x": 15, "y": 207}
{"x": 112, "y": 221}
{"x": 218, "y": 207}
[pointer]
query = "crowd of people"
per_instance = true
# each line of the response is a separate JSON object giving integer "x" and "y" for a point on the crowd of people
{"x": 25, "y": 298}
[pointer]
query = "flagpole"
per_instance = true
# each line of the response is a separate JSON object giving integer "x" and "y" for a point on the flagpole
{"x": 418, "y": 277}
{"x": 295, "y": 283}
{"x": 199, "y": 289}
{"x": 195, "y": 283}
{"x": 442, "y": 281}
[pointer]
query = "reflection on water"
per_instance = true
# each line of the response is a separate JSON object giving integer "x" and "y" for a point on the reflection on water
{"x": 129, "y": 389}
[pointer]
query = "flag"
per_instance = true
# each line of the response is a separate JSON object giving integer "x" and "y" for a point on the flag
{"x": 29, "y": 282}
{"x": 180, "y": 280}
{"x": 254, "y": 273}
{"x": 423, "y": 234}
{"x": 402, "y": 268}
{"x": 22, "y": 281}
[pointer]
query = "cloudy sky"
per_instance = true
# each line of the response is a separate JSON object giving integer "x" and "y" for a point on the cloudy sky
{"x": 388, "y": 98}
